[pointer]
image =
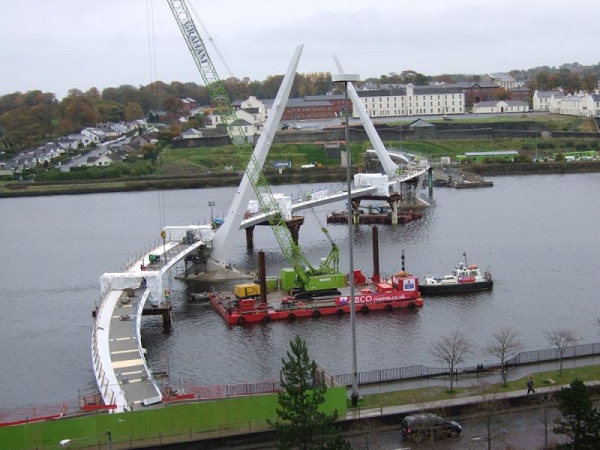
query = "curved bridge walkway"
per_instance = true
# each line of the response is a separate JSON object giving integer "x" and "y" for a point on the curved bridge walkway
{"x": 118, "y": 358}
{"x": 122, "y": 374}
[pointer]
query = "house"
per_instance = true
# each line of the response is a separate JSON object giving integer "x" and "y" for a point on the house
{"x": 593, "y": 105}
{"x": 112, "y": 130}
{"x": 256, "y": 108}
{"x": 7, "y": 168}
{"x": 543, "y": 99}
{"x": 129, "y": 147}
{"x": 500, "y": 106}
{"x": 138, "y": 124}
{"x": 83, "y": 139}
{"x": 245, "y": 119}
{"x": 96, "y": 135}
{"x": 191, "y": 133}
{"x": 104, "y": 160}
{"x": 141, "y": 140}
{"x": 67, "y": 144}
{"x": 188, "y": 104}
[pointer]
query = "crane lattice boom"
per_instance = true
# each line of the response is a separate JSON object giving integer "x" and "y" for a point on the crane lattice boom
{"x": 245, "y": 150}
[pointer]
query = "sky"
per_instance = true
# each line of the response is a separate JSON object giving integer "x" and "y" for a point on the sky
{"x": 58, "y": 45}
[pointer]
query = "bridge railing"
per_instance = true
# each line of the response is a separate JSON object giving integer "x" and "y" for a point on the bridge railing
{"x": 107, "y": 391}
{"x": 420, "y": 371}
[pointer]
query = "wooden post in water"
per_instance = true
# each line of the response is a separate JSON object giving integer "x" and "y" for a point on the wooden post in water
{"x": 376, "y": 274}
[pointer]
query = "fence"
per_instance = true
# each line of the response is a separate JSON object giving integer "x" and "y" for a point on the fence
{"x": 420, "y": 371}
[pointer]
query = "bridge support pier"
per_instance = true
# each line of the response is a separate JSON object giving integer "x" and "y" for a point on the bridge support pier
{"x": 167, "y": 320}
{"x": 394, "y": 206}
{"x": 430, "y": 180}
{"x": 164, "y": 310}
{"x": 250, "y": 237}
{"x": 356, "y": 211}
{"x": 293, "y": 225}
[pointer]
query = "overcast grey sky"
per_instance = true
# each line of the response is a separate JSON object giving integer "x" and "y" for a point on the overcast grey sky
{"x": 56, "y": 45}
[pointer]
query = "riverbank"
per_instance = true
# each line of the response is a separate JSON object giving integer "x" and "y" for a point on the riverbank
{"x": 34, "y": 189}
{"x": 316, "y": 175}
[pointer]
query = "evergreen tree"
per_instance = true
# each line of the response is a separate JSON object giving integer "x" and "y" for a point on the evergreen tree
{"x": 300, "y": 423}
{"x": 581, "y": 421}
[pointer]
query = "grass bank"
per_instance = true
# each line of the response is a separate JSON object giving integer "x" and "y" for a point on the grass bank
{"x": 430, "y": 394}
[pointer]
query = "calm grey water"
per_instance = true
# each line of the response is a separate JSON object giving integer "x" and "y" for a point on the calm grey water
{"x": 538, "y": 235}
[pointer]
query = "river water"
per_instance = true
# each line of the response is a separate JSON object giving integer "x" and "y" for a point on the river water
{"x": 538, "y": 235}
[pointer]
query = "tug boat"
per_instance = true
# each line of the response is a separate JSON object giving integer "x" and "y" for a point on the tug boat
{"x": 400, "y": 291}
{"x": 464, "y": 278}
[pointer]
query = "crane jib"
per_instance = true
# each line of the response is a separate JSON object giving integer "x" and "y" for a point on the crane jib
{"x": 195, "y": 41}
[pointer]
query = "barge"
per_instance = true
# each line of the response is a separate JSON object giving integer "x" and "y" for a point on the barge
{"x": 400, "y": 291}
{"x": 341, "y": 217}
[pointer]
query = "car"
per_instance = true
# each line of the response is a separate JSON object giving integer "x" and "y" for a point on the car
{"x": 421, "y": 427}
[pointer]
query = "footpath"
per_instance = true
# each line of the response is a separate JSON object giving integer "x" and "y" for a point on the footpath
{"x": 515, "y": 373}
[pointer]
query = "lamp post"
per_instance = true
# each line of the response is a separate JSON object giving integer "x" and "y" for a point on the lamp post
{"x": 348, "y": 78}
{"x": 67, "y": 442}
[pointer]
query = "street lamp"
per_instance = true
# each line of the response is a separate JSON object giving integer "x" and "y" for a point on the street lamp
{"x": 349, "y": 78}
{"x": 67, "y": 442}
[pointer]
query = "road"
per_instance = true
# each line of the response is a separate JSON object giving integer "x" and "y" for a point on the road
{"x": 516, "y": 430}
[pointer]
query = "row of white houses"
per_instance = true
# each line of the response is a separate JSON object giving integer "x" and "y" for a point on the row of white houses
{"x": 44, "y": 154}
{"x": 413, "y": 101}
{"x": 581, "y": 104}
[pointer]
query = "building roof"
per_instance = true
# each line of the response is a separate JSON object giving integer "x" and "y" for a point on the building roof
{"x": 497, "y": 153}
{"x": 420, "y": 123}
{"x": 472, "y": 84}
{"x": 299, "y": 102}
{"x": 547, "y": 94}
{"x": 502, "y": 76}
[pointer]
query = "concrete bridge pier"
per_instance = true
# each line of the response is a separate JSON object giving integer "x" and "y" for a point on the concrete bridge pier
{"x": 394, "y": 206}
{"x": 250, "y": 237}
{"x": 293, "y": 225}
{"x": 356, "y": 211}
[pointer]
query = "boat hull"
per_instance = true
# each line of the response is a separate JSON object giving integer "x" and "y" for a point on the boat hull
{"x": 441, "y": 289}
{"x": 286, "y": 308}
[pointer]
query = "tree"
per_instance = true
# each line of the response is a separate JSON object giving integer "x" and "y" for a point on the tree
{"x": 173, "y": 105}
{"x": 561, "y": 338}
{"x": 451, "y": 349}
{"x": 300, "y": 423}
{"x": 581, "y": 421}
{"x": 488, "y": 412}
{"x": 505, "y": 344}
{"x": 501, "y": 94}
{"x": 545, "y": 415}
{"x": 133, "y": 111}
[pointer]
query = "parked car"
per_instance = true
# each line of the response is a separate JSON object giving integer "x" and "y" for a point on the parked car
{"x": 421, "y": 427}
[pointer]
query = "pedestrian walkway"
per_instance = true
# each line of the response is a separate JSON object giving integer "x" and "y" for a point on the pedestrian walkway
{"x": 515, "y": 373}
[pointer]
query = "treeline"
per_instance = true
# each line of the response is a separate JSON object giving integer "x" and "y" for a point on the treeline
{"x": 31, "y": 118}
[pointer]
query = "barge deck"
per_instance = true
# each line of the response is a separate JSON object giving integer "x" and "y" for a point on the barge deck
{"x": 401, "y": 291}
